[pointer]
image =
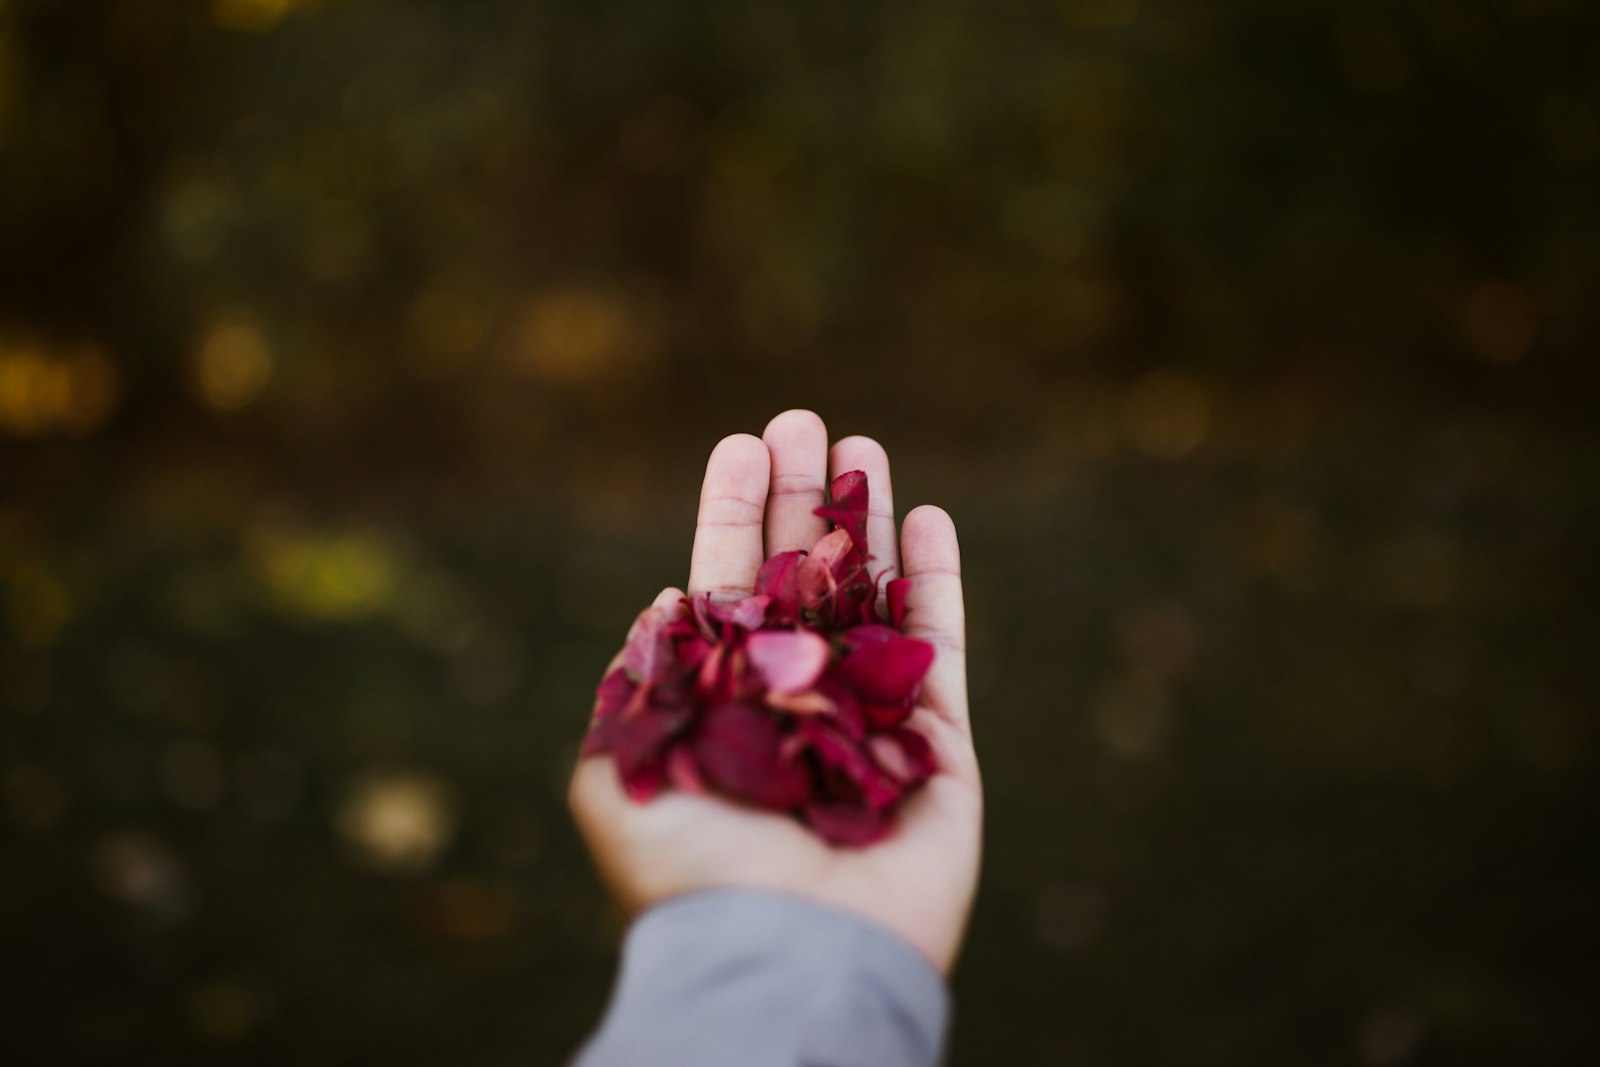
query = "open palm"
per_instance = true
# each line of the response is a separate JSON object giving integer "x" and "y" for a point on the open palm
{"x": 757, "y": 501}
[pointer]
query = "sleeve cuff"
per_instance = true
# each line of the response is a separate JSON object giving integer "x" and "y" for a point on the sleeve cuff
{"x": 756, "y": 977}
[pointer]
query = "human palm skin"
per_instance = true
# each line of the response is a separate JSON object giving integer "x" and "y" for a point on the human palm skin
{"x": 757, "y": 500}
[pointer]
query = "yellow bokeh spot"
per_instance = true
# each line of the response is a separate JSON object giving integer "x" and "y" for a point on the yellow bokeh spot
{"x": 398, "y": 823}
{"x": 44, "y": 392}
{"x": 232, "y": 363}
{"x": 327, "y": 576}
{"x": 573, "y": 335}
{"x": 1167, "y": 415}
{"x": 251, "y": 15}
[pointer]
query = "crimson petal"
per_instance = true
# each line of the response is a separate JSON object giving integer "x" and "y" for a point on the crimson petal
{"x": 738, "y": 749}
{"x": 898, "y": 590}
{"x": 888, "y": 672}
{"x": 750, "y": 612}
{"x": 789, "y": 661}
{"x": 616, "y": 689}
{"x": 848, "y": 507}
{"x": 648, "y": 654}
{"x": 903, "y": 754}
{"x": 844, "y": 824}
{"x": 640, "y": 749}
{"x": 776, "y": 579}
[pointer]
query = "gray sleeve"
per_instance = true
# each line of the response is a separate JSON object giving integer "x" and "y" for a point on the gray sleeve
{"x": 746, "y": 978}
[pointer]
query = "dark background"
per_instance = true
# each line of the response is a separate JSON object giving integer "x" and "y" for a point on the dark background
{"x": 357, "y": 365}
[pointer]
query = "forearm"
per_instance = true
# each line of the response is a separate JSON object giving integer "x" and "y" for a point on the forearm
{"x": 759, "y": 979}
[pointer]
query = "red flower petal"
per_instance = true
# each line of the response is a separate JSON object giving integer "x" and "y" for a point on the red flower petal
{"x": 818, "y": 574}
{"x": 751, "y": 612}
{"x": 871, "y": 633}
{"x": 789, "y": 661}
{"x": 714, "y": 683}
{"x": 843, "y": 824}
{"x": 616, "y": 689}
{"x": 706, "y": 616}
{"x": 810, "y": 702}
{"x": 849, "y": 774}
{"x": 848, "y": 507}
{"x": 904, "y": 755}
{"x": 884, "y": 716}
{"x": 682, "y": 772}
{"x": 640, "y": 749}
{"x": 738, "y": 750}
{"x": 776, "y": 579}
{"x": 648, "y": 654}
{"x": 888, "y": 672}
{"x": 898, "y": 591}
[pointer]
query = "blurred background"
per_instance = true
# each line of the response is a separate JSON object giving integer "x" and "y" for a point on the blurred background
{"x": 358, "y": 362}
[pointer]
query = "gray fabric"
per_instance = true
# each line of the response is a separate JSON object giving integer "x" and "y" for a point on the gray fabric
{"x": 744, "y": 978}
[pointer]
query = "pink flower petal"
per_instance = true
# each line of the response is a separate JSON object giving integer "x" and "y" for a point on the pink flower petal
{"x": 810, "y": 702}
{"x": 903, "y": 754}
{"x": 776, "y": 579}
{"x": 849, "y": 774}
{"x": 640, "y": 749}
{"x": 817, "y": 577}
{"x": 738, "y": 749}
{"x": 706, "y": 616}
{"x": 848, "y": 507}
{"x": 682, "y": 772}
{"x": 615, "y": 690}
{"x": 843, "y": 824}
{"x": 648, "y": 654}
{"x": 788, "y": 661}
{"x": 751, "y": 612}
{"x": 871, "y": 633}
{"x": 888, "y": 672}
{"x": 884, "y": 716}
{"x": 898, "y": 590}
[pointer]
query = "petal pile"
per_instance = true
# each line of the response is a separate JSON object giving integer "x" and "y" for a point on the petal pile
{"x": 792, "y": 699}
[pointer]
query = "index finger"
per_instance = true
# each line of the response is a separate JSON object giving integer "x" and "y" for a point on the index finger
{"x": 931, "y": 557}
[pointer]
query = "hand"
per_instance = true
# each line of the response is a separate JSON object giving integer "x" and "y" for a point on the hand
{"x": 757, "y": 501}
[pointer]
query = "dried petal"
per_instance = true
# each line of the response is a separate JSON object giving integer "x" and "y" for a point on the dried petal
{"x": 706, "y": 617}
{"x": 898, "y": 591}
{"x": 682, "y": 772}
{"x": 788, "y": 661}
{"x": 872, "y": 633}
{"x": 648, "y": 654}
{"x": 640, "y": 749}
{"x": 810, "y": 702}
{"x": 738, "y": 749}
{"x": 849, "y": 772}
{"x": 616, "y": 689}
{"x": 750, "y": 612}
{"x": 776, "y": 579}
{"x": 887, "y": 672}
{"x": 818, "y": 574}
{"x": 848, "y": 507}
{"x": 904, "y": 754}
{"x": 845, "y": 824}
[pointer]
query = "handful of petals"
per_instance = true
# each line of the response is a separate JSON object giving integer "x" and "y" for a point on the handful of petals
{"x": 792, "y": 699}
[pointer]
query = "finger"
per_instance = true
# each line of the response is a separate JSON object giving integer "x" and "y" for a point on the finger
{"x": 866, "y": 455}
{"x": 727, "y": 535}
{"x": 934, "y": 608}
{"x": 798, "y": 442}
